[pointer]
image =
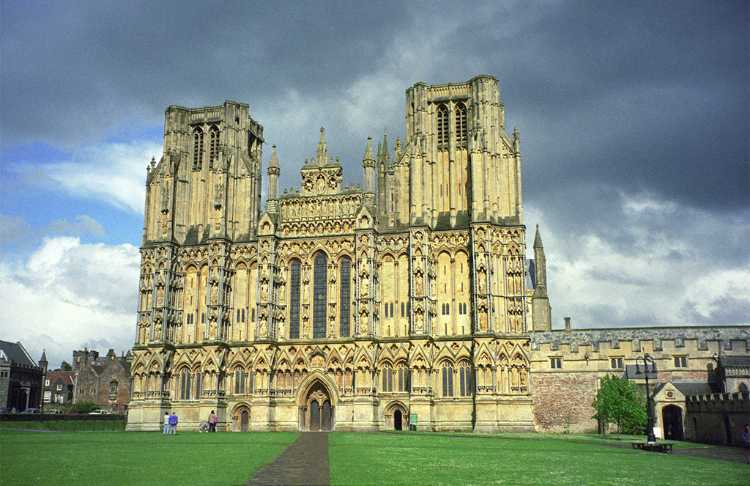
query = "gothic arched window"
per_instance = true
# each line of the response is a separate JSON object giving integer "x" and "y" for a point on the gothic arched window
{"x": 239, "y": 381}
{"x": 294, "y": 287}
{"x": 403, "y": 378}
{"x": 464, "y": 375}
{"x": 345, "y": 295}
{"x": 387, "y": 378}
{"x": 461, "y": 130}
{"x": 442, "y": 126}
{"x": 320, "y": 297}
{"x": 213, "y": 143}
{"x": 197, "y": 148}
{"x": 447, "y": 380}
{"x": 185, "y": 384}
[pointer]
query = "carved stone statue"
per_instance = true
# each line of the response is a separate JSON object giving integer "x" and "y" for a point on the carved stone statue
{"x": 264, "y": 291}
{"x": 215, "y": 294}
{"x": 212, "y": 329}
{"x": 419, "y": 322}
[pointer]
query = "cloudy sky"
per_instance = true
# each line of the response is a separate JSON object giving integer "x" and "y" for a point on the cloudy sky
{"x": 633, "y": 117}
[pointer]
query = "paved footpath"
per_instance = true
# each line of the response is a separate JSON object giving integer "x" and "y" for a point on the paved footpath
{"x": 305, "y": 462}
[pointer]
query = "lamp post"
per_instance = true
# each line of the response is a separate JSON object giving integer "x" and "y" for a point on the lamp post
{"x": 647, "y": 359}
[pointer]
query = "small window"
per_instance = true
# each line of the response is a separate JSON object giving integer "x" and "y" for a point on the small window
{"x": 616, "y": 363}
{"x": 680, "y": 362}
{"x": 59, "y": 387}
{"x": 403, "y": 309}
{"x": 46, "y": 382}
{"x": 555, "y": 363}
{"x": 447, "y": 381}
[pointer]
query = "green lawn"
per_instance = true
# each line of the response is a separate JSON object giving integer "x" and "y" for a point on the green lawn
{"x": 408, "y": 458}
{"x": 114, "y": 458}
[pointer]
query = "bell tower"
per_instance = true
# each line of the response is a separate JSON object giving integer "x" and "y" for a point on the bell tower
{"x": 464, "y": 166}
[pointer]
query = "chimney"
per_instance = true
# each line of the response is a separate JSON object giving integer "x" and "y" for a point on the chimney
{"x": 567, "y": 323}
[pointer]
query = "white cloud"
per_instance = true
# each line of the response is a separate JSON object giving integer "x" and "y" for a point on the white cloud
{"x": 67, "y": 294}
{"x": 659, "y": 278}
{"x": 114, "y": 173}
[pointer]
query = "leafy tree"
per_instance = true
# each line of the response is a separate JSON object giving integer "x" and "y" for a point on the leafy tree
{"x": 83, "y": 407}
{"x": 65, "y": 366}
{"x": 619, "y": 402}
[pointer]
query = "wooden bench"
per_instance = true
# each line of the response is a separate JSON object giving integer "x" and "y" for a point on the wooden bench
{"x": 665, "y": 447}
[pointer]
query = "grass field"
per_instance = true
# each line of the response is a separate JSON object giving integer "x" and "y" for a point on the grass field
{"x": 64, "y": 425}
{"x": 116, "y": 458}
{"x": 392, "y": 458}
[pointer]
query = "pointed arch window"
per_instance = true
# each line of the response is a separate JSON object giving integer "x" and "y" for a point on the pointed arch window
{"x": 461, "y": 128}
{"x": 294, "y": 304}
{"x": 320, "y": 297}
{"x": 465, "y": 379}
{"x": 345, "y": 295}
{"x": 239, "y": 381}
{"x": 387, "y": 378}
{"x": 447, "y": 380}
{"x": 185, "y": 384}
{"x": 197, "y": 148}
{"x": 403, "y": 378}
{"x": 442, "y": 126}
{"x": 213, "y": 143}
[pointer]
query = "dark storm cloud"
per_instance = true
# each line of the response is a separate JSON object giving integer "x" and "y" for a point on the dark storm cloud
{"x": 633, "y": 115}
{"x": 71, "y": 71}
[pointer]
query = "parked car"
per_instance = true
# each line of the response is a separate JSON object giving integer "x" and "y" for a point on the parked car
{"x": 32, "y": 410}
{"x": 100, "y": 412}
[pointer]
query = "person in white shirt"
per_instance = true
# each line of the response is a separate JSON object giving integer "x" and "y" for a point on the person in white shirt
{"x": 165, "y": 430}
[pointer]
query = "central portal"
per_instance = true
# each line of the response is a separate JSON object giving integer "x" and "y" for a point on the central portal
{"x": 317, "y": 412}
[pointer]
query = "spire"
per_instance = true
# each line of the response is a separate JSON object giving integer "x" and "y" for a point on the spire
{"x": 322, "y": 154}
{"x": 538, "y": 239}
{"x": 273, "y": 174}
{"x": 44, "y": 356}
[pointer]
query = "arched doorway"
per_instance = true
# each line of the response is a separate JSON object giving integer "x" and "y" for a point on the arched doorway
{"x": 397, "y": 420}
{"x": 241, "y": 418}
{"x": 672, "y": 420}
{"x": 244, "y": 420}
{"x": 317, "y": 411}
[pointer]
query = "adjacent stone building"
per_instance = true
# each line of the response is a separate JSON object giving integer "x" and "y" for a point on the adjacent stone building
{"x": 407, "y": 300}
{"x": 20, "y": 378}
{"x": 103, "y": 380}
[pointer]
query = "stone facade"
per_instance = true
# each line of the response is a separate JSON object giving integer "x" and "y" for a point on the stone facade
{"x": 341, "y": 307}
{"x": 104, "y": 380}
{"x": 406, "y": 301}
{"x": 567, "y": 364}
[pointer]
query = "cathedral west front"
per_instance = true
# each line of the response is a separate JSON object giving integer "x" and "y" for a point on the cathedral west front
{"x": 406, "y": 301}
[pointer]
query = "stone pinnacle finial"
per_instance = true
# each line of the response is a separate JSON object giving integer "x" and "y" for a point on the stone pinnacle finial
{"x": 538, "y": 239}
{"x": 368, "y": 149}
{"x": 322, "y": 154}
{"x": 274, "y": 157}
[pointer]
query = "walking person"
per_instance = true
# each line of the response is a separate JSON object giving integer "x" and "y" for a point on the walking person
{"x": 745, "y": 439}
{"x": 212, "y": 420}
{"x": 165, "y": 429}
{"x": 173, "y": 423}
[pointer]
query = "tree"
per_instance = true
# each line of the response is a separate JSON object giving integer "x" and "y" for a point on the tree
{"x": 618, "y": 402}
{"x": 65, "y": 366}
{"x": 83, "y": 407}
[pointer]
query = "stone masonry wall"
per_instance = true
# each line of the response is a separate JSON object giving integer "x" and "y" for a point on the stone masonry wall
{"x": 563, "y": 401}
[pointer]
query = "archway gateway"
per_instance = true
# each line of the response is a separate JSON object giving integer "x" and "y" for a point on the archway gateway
{"x": 316, "y": 413}
{"x": 672, "y": 420}
{"x": 397, "y": 420}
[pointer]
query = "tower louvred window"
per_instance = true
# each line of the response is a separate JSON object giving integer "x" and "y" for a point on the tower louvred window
{"x": 442, "y": 125}
{"x": 461, "y": 130}
{"x": 214, "y": 141}
{"x": 197, "y": 147}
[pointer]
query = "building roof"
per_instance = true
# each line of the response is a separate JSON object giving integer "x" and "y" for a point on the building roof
{"x": 17, "y": 354}
{"x": 636, "y": 372}
{"x": 65, "y": 376}
{"x": 693, "y": 388}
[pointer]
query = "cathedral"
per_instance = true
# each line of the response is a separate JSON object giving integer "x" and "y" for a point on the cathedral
{"x": 406, "y": 302}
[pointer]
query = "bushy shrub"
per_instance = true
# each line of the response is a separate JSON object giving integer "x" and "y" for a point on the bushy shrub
{"x": 619, "y": 402}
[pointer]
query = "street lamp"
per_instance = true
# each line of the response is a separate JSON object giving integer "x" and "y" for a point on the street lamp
{"x": 647, "y": 359}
